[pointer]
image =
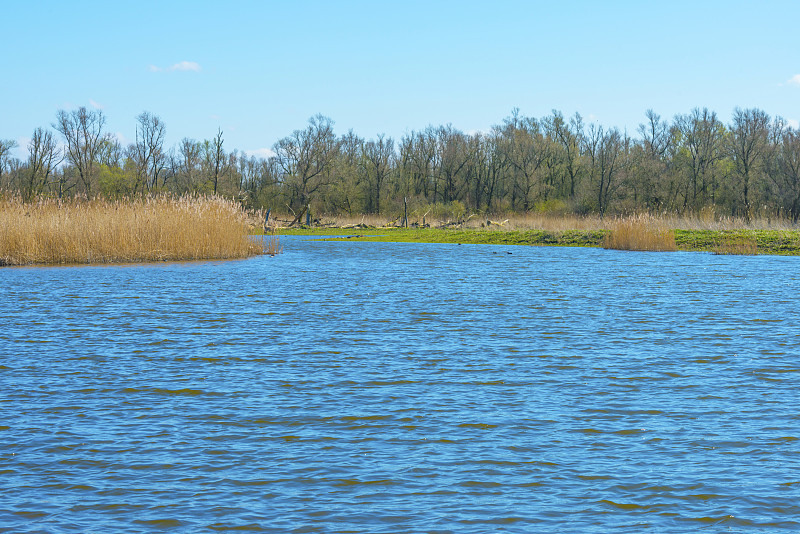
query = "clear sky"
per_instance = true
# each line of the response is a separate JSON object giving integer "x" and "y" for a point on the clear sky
{"x": 258, "y": 70}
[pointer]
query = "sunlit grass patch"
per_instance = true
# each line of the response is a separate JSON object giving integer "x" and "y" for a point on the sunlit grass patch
{"x": 639, "y": 232}
{"x": 100, "y": 231}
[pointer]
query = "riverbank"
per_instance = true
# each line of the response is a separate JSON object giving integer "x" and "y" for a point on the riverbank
{"x": 137, "y": 230}
{"x": 738, "y": 241}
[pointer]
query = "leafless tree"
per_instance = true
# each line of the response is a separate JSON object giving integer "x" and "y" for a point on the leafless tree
{"x": 377, "y": 164}
{"x": 656, "y": 137}
{"x": 43, "y": 157}
{"x": 149, "y": 149}
{"x": 189, "y": 160}
{"x": 496, "y": 164}
{"x": 306, "y": 160}
{"x": 215, "y": 159}
{"x": 526, "y": 149}
{"x": 606, "y": 150}
{"x": 111, "y": 153}
{"x": 346, "y": 194}
{"x": 83, "y": 133}
{"x": 701, "y": 137}
{"x": 785, "y": 173}
{"x": 417, "y": 161}
{"x": 6, "y": 146}
{"x": 747, "y": 146}
{"x": 453, "y": 158}
{"x": 568, "y": 137}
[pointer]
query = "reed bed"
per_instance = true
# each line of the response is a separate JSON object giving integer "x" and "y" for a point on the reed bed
{"x": 736, "y": 244}
{"x": 639, "y": 232}
{"x": 271, "y": 241}
{"x": 566, "y": 222}
{"x": 140, "y": 230}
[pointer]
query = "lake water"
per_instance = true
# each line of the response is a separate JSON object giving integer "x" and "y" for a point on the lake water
{"x": 370, "y": 387}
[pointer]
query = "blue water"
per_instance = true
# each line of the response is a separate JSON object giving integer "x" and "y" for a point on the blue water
{"x": 368, "y": 387}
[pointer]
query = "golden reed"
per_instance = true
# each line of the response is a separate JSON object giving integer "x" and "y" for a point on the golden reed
{"x": 639, "y": 232}
{"x": 733, "y": 244}
{"x": 139, "y": 230}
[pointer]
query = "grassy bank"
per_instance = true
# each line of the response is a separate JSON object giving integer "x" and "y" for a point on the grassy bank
{"x": 573, "y": 238}
{"x": 720, "y": 241}
{"x": 99, "y": 231}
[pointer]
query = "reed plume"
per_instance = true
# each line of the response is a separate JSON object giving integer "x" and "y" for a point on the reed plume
{"x": 138, "y": 230}
{"x": 736, "y": 244}
{"x": 639, "y": 232}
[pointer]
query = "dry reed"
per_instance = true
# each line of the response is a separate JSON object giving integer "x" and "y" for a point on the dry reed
{"x": 733, "y": 244}
{"x": 271, "y": 239}
{"x": 639, "y": 232}
{"x": 101, "y": 231}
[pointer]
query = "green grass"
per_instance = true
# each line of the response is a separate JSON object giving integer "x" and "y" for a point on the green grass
{"x": 774, "y": 242}
{"x": 572, "y": 238}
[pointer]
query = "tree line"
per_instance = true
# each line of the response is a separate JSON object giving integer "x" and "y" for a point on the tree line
{"x": 693, "y": 163}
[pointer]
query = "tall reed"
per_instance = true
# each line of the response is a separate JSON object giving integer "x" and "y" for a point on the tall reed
{"x": 271, "y": 240}
{"x": 102, "y": 231}
{"x": 736, "y": 244}
{"x": 639, "y": 232}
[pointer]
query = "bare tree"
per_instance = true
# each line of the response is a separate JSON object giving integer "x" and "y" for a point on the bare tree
{"x": 477, "y": 172}
{"x": 526, "y": 149}
{"x": 306, "y": 160}
{"x": 655, "y": 134}
{"x": 149, "y": 149}
{"x": 83, "y": 132}
{"x": 111, "y": 152}
{"x": 377, "y": 161}
{"x": 453, "y": 158}
{"x": 496, "y": 164}
{"x": 259, "y": 180}
{"x": 417, "y": 161}
{"x": 346, "y": 194}
{"x": 701, "y": 137}
{"x": 785, "y": 173}
{"x": 568, "y": 137}
{"x": 189, "y": 159}
{"x": 6, "y": 146}
{"x": 747, "y": 146}
{"x": 606, "y": 150}
{"x": 43, "y": 157}
{"x": 215, "y": 158}
{"x": 650, "y": 160}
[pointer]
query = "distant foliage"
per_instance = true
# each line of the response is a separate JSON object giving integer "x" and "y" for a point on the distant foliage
{"x": 555, "y": 165}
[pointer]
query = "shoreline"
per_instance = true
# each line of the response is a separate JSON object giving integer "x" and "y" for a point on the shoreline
{"x": 739, "y": 242}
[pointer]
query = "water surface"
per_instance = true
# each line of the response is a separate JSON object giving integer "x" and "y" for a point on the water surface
{"x": 388, "y": 387}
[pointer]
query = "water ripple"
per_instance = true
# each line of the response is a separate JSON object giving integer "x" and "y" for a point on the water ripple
{"x": 345, "y": 386}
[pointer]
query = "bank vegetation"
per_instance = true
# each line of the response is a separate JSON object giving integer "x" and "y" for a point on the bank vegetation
{"x": 688, "y": 166}
{"x": 691, "y": 172}
{"x": 160, "y": 228}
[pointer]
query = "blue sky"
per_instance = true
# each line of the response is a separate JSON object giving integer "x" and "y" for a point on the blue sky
{"x": 259, "y": 70}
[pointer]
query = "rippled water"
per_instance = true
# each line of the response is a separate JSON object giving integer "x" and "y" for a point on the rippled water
{"x": 365, "y": 387}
